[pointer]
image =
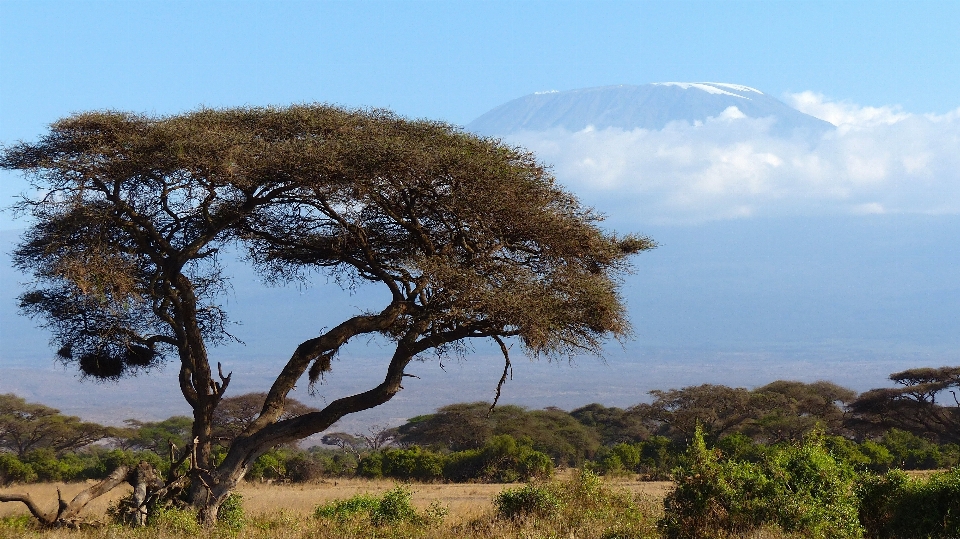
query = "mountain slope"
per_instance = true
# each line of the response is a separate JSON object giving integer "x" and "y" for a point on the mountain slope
{"x": 648, "y": 106}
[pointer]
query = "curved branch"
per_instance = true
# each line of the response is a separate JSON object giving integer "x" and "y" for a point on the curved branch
{"x": 44, "y": 517}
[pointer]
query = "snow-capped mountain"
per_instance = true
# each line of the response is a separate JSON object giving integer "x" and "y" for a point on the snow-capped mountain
{"x": 647, "y": 106}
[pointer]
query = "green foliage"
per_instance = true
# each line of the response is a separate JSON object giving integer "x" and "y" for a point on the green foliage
{"x": 911, "y": 452}
{"x": 502, "y": 460}
{"x": 174, "y": 519}
{"x": 231, "y": 514}
{"x": 13, "y": 470}
{"x": 466, "y": 426}
{"x": 800, "y": 488}
{"x": 156, "y": 436}
{"x": 412, "y": 463}
{"x": 579, "y": 506}
{"x": 527, "y": 501}
{"x": 270, "y": 465}
{"x": 48, "y": 467}
{"x": 894, "y": 506}
{"x": 371, "y": 466}
{"x": 391, "y": 508}
{"x": 342, "y": 510}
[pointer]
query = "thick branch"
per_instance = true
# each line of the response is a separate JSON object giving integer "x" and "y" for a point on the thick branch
{"x": 44, "y": 517}
{"x": 68, "y": 511}
{"x": 313, "y": 348}
{"x": 118, "y": 476}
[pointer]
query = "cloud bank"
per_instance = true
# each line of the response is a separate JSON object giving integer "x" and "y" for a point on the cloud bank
{"x": 878, "y": 160}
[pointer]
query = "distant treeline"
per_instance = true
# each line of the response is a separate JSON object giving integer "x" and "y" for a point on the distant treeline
{"x": 913, "y": 425}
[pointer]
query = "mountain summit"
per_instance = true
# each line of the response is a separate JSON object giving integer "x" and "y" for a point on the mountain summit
{"x": 647, "y": 106}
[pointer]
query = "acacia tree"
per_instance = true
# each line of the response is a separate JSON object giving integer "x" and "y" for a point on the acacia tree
{"x": 912, "y": 405}
{"x": 26, "y": 426}
{"x": 471, "y": 238}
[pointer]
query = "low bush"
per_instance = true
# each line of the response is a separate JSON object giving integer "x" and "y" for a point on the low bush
{"x": 581, "y": 506}
{"x": 799, "y": 489}
{"x": 527, "y": 501}
{"x": 230, "y": 514}
{"x": 392, "y": 507}
{"x": 14, "y": 470}
{"x": 895, "y": 506}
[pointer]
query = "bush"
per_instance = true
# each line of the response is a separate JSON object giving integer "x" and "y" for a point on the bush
{"x": 343, "y": 510}
{"x": 581, "y": 506}
{"x": 13, "y": 470}
{"x": 894, "y": 506}
{"x": 393, "y": 507}
{"x": 371, "y": 466}
{"x": 799, "y": 489}
{"x": 501, "y": 460}
{"x": 911, "y": 452}
{"x": 271, "y": 465}
{"x": 527, "y": 501}
{"x": 412, "y": 463}
{"x": 303, "y": 467}
{"x": 230, "y": 514}
{"x": 176, "y": 520}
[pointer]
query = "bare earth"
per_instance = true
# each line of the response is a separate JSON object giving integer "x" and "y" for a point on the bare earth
{"x": 261, "y": 498}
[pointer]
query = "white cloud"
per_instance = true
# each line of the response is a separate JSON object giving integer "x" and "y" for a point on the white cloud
{"x": 880, "y": 160}
{"x": 843, "y": 113}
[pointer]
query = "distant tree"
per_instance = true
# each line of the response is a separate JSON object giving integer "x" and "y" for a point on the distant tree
{"x": 234, "y": 414}
{"x": 779, "y": 411}
{"x": 25, "y": 427}
{"x": 455, "y": 427}
{"x": 786, "y": 410}
{"x": 614, "y": 425}
{"x": 463, "y": 426}
{"x": 470, "y": 238}
{"x": 348, "y": 443}
{"x": 912, "y": 406}
{"x": 675, "y": 413}
{"x": 157, "y": 436}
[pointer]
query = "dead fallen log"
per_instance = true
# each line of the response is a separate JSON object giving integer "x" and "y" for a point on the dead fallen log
{"x": 142, "y": 477}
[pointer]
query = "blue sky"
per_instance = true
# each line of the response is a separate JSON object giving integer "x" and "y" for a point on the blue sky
{"x": 456, "y": 60}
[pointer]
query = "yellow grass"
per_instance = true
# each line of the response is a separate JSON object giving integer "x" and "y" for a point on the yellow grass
{"x": 286, "y": 512}
{"x": 45, "y": 495}
{"x": 460, "y": 498}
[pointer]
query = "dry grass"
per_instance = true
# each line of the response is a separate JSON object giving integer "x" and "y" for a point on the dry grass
{"x": 461, "y": 498}
{"x": 285, "y": 512}
{"x": 45, "y": 495}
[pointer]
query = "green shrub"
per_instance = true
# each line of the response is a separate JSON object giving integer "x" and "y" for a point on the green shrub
{"x": 800, "y": 489}
{"x": 412, "y": 463}
{"x": 579, "y": 506}
{"x": 176, "y": 520}
{"x": 342, "y": 510}
{"x": 371, "y": 466}
{"x": 13, "y": 470}
{"x": 527, "y": 501}
{"x": 230, "y": 514}
{"x": 393, "y": 507}
{"x": 270, "y": 465}
{"x": 894, "y": 506}
{"x": 911, "y": 452}
{"x": 502, "y": 460}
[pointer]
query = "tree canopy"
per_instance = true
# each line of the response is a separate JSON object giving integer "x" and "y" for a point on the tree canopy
{"x": 471, "y": 237}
